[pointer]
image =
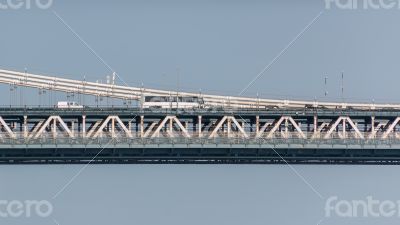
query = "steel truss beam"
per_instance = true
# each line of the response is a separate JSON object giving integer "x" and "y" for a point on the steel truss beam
{"x": 228, "y": 121}
{"x": 342, "y": 135}
{"x": 61, "y": 125}
{"x": 170, "y": 130}
{"x": 56, "y": 121}
{"x": 288, "y": 120}
{"x": 391, "y": 128}
{"x": 111, "y": 120}
{"x": 7, "y": 128}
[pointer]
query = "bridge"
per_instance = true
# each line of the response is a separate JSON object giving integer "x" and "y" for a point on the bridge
{"x": 229, "y": 130}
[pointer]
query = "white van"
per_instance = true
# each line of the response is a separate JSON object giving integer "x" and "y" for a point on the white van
{"x": 69, "y": 105}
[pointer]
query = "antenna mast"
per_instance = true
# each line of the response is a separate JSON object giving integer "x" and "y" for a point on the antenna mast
{"x": 342, "y": 86}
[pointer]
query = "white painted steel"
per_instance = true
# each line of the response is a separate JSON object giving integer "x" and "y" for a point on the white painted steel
{"x": 134, "y": 93}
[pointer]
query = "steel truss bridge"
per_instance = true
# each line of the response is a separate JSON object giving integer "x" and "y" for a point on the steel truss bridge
{"x": 289, "y": 132}
{"x": 133, "y": 135}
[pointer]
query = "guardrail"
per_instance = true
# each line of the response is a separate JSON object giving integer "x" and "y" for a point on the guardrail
{"x": 104, "y": 141}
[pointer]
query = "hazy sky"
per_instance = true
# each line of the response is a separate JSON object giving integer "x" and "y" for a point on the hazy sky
{"x": 218, "y": 46}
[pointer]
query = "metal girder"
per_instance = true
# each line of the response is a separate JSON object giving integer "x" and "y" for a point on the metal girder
{"x": 73, "y": 125}
{"x": 391, "y": 128}
{"x": 374, "y": 130}
{"x": 113, "y": 120}
{"x": 319, "y": 129}
{"x": 171, "y": 119}
{"x": 53, "y": 119}
{"x": 160, "y": 126}
{"x": 287, "y": 119}
{"x": 228, "y": 119}
{"x": 262, "y": 130}
{"x": 241, "y": 128}
{"x": 35, "y": 129}
{"x": 149, "y": 129}
{"x": 92, "y": 129}
{"x": 353, "y": 125}
{"x": 7, "y": 128}
{"x": 343, "y": 119}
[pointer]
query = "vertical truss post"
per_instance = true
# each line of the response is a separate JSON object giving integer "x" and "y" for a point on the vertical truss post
{"x": 113, "y": 127}
{"x": 84, "y": 126}
{"x": 54, "y": 128}
{"x": 344, "y": 128}
{"x": 229, "y": 126}
{"x": 315, "y": 126}
{"x": 171, "y": 128}
{"x": 73, "y": 128}
{"x": 372, "y": 127}
{"x": 141, "y": 126}
{"x": 286, "y": 128}
{"x": 25, "y": 126}
{"x": 199, "y": 126}
{"x": 257, "y": 125}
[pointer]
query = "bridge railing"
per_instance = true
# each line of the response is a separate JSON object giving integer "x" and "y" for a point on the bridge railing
{"x": 106, "y": 141}
{"x": 194, "y": 135}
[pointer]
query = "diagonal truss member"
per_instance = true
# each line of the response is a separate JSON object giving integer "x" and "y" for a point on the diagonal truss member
{"x": 228, "y": 120}
{"x": 53, "y": 120}
{"x": 113, "y": 121}
{"x": 286, "y": 120}
{"x": 171, "y": 120}
{"x": 343, "y": 120}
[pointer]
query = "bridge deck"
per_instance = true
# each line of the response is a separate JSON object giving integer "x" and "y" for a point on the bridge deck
{"x": 133, "y": 135}
{"x": 105, "y": 150}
